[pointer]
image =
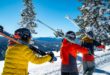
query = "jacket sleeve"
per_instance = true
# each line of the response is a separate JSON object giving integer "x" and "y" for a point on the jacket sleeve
{"x": 96, "y": 43}
{"x": 81, "y": 49}
{"x": 101, "y": 46}
{"x": 32, "y": 57}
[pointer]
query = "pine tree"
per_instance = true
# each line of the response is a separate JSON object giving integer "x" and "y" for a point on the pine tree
{"x": 28, "y": 16}
{"x": 96, "y": 15}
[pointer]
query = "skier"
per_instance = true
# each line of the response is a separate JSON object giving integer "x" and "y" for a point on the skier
{"x": 88, "y": 59}
{"x": 68, "y": 55}
{"x": 18, "y": 55}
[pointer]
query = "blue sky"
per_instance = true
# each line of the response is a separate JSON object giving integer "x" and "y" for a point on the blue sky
{"x": 52, "y": 12}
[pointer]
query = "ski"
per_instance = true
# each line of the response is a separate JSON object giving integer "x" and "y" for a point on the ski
{"x": 9, "y": 36}
{"x": 82, "y": 30}
{"x": 60, "y": 34}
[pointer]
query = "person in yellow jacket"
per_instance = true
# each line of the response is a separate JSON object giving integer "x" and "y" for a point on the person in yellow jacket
{"x": 18, "y": 55}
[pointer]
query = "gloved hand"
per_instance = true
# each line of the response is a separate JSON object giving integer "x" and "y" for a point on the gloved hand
{"x": 101, "y": 46}
{"x": 52, "y": 56}
{"x": 59, "y": 33}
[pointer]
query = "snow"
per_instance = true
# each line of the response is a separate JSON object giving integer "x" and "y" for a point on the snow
{"x": 104, "y": 70}
{"x": 1, "y": 66}
{"x": 54, "y": 68}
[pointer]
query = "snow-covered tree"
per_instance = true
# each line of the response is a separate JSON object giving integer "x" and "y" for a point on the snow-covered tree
{"x": 95, "y": 14}
{"x": 28, "y": 16}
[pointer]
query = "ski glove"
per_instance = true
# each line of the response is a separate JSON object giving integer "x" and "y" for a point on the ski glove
{"x": 52, "y": 56}
{"x": 59, "y": 33}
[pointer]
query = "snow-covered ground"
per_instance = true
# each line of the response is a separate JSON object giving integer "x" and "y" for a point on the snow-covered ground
{"x": 102, "y": 65}
{"x": 103, "y": 70}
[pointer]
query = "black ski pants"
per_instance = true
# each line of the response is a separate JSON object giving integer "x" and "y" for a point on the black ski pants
{"x": 71, "y": 73}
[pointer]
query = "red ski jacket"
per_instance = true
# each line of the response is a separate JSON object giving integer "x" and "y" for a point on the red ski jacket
{"x": 68, "y": 48}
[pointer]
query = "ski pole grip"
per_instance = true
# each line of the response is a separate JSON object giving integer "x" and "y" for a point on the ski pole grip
{"x": 1, "y": 28}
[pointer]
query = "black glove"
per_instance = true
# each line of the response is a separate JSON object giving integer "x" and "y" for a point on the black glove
{"x": 52, "y": 56}
{"x": 59, "y": 33}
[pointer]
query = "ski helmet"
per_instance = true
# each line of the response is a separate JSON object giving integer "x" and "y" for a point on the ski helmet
{"x": 71, "y": 35}
{"x": 88, "y": 29}
{"x": 90, "y": 34}
{"x": 23, "y": 34}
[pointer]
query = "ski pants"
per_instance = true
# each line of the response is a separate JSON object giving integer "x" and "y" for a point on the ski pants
{"x": 70, "y": 68}
{"x": 71, "y": 73}
{"x": 88, "y": 67}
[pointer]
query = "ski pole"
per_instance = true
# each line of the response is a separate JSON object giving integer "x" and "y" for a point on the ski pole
{"x": 72, "y": 21}
{"x": 46, "y": 25}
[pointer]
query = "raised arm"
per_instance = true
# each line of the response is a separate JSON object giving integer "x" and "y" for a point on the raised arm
{"x": 97, "y": 44}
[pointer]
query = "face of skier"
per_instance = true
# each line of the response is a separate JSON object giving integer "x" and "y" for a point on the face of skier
{"x": 23, "y": 34}
{"x": 71, "y": 35}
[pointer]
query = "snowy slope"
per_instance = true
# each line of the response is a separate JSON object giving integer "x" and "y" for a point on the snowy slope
{"x": 54, "y": 68}
{"x": 103, "y": 70}
{"x": 1, "y": 66}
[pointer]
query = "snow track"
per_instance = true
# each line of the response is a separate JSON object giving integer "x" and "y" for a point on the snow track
{"x": 101, "y": 62}
{"x": 102, "y": 65}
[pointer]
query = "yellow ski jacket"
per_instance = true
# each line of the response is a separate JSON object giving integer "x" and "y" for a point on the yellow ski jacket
{"x": 17, "y": 58}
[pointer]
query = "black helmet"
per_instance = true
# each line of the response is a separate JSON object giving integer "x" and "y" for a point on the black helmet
{"x": 90, "y": 34}
{"x": 23, "y": 34}
{"x": 71, "y": 35}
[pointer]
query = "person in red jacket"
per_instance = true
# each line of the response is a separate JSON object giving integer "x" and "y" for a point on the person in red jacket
{"x": 88, "y": 59}
{"x": 68, "y": 54}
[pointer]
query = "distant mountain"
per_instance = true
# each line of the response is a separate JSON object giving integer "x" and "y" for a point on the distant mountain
{"x": 48, "y": 43}
{"x": 43, "y": 43}
{"x": 3, "y": 47}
